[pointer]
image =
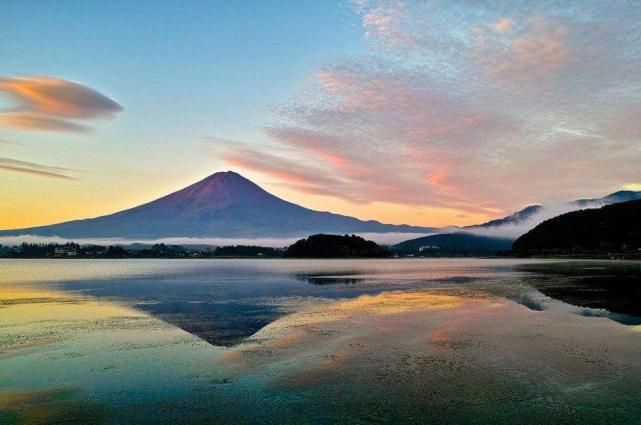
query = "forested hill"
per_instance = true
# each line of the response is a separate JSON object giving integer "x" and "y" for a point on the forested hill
{"x": 335, "y": 246}
{"x": 453, "y": 245}
{"x": 610, "y": 229}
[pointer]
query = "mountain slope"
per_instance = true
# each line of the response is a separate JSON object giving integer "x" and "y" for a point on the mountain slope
{"x": 613, "y": 198}
{"x": 453, "y": 245}
{"x": 516, "y": 218}
{"x": 613, "y": 228}
{"x": 224, "y": 204}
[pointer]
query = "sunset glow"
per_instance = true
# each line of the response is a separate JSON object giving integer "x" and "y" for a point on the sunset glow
{"x": 401, "y": 112}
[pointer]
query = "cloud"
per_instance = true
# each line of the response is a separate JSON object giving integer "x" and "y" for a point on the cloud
{"x": 481, "y": 107}
{"x": 52, "y": 104}
{"x": 539, "y": 52}
{"x": 547, "y": 211}
{"x": 632, "y": 186}
{"x": 384, "y": 23}
{"x": 37, "y": 122}
{"x": 504, "y": 25}
{"x": 301, "y": 174}
{"x": 383, "y": 130}
{"x": 31, "y": 168}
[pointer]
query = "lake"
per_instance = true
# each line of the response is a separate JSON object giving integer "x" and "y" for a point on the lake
{"x": 320, "y": 341}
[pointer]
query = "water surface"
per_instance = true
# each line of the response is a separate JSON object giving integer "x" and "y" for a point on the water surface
{"x": 320, "y": 341}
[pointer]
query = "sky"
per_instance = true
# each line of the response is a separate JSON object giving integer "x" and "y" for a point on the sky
{"x": 427, "y": 112}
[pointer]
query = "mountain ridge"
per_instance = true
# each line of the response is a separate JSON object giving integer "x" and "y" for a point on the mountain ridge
{"x": 532, "y": 215}
{"x": 457, "y": 244}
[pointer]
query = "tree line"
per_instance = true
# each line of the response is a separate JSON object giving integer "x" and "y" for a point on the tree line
{"x": 75, "y": 250}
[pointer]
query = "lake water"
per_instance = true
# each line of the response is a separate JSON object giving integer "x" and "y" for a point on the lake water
{"x": 320, "y": 341}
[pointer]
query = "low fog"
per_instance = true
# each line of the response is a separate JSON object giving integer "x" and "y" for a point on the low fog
{"x": 380, "y": 238}
{"x": 514, "y": 230}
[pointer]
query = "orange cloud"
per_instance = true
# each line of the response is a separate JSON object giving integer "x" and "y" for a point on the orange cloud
{"x": 437, "y": 179}
{"x": 37, "y": 122}
{"x": 46, "y": 103}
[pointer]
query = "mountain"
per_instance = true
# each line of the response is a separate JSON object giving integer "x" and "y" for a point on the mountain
{"x": 224, "y": 204}
{"x": 612, "y": 228}
{"x": 497, "y": 235}
{"x": 453, "y": 245}
{"x": 613, "y": 198}
{"x": 514, "y": 225}
{"x": 517, "y": 218}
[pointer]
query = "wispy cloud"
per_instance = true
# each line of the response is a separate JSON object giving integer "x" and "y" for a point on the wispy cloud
{"x": 305, "y": 176}
{"x": 385, "y": 22}
{"x": 47, "y": 103}
{"x": 34, "y": 169}
{"x": 479, "y": 106}
{"x": 632, "y": 186}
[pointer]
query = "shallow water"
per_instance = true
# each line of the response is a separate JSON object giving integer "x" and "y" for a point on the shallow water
{"x": 320, "y": 341}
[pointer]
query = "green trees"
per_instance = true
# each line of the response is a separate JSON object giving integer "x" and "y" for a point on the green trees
{"x": 335, "y": 246}
{"x": 611, "y": 229}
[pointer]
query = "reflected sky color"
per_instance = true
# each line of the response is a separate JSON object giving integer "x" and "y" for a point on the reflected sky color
{"x": 429, "y": 113}
{"x": 450, "y": 340}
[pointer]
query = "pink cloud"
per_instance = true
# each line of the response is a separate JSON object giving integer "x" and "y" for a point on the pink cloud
{"x": 539, "y": 52}
{"x": 470, "y": 110}
{"x": 504, "y": 25}
{"x": 385, "y": 23}
{"x": 383, "y": 132}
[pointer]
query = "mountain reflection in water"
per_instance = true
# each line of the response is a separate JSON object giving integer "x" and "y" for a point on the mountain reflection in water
{"x": 610, "y": 290}
{"x": 224, "y": 309}
{"x": 321, "y": 341}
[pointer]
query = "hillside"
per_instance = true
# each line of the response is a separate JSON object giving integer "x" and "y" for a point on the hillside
{"x": 335, "y": 246}
{"x": 453, "y": 245}
{"x": 515, "y": 218}
{"x": 610, "y": 229}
